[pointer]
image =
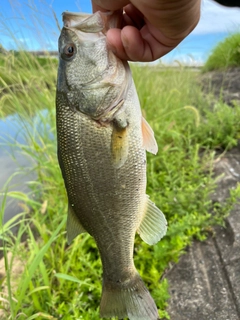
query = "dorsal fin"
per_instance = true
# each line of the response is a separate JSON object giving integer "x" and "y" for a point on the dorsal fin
{"x": 149, "y": 142}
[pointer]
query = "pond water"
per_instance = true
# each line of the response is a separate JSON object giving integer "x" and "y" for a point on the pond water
{"x": 15, "y": 167}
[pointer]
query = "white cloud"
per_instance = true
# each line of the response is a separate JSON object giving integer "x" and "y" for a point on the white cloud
{"x": 217, "y": 18}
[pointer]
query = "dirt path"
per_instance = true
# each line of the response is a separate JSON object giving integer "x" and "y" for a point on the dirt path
{"x": 225, "y": 84}
{"x": 205, "y": 284}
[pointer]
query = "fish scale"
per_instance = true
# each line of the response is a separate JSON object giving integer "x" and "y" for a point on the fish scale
{"x": 102, "y": 157}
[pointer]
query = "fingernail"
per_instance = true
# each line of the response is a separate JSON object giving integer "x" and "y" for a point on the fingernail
{"x": 125, "y": 41}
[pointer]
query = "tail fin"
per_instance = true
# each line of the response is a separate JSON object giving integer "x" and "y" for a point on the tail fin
{"x": 131, "y": 299}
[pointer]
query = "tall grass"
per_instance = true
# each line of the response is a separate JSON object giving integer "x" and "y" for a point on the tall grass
{"x": 226, "y": 54}
{"x": 64, "y": 282}
{"x": 27, "y": 84}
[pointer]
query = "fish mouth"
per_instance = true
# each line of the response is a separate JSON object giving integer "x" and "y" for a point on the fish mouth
{"x": 84, "y": 22}
{"x": 91, "y": 23}
{"x": 108, "y": 114}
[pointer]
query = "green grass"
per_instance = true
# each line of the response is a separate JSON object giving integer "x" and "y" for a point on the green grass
{"x": 27, "y": 83}
{"x": 64, "y": 282}
{"x": 225, "y": 55}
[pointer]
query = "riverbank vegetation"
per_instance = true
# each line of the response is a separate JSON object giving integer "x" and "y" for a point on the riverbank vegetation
{"x": 225, "y": 55}
{"x": 58, "y": 281}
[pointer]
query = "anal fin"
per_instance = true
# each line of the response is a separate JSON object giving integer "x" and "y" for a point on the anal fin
{"x": 74, "y": 227}
{"x": 154, "y": 224}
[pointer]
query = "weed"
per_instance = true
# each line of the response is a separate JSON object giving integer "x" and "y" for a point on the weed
{"x": 226, "y": 54}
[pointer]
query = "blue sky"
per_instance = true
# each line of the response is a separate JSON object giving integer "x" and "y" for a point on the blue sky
{"x": 31, "y": 24}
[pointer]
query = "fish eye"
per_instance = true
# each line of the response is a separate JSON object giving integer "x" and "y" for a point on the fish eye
{"x": 69, "y": 51}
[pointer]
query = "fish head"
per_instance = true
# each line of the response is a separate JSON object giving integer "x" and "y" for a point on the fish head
{"x": 91, "y": 77}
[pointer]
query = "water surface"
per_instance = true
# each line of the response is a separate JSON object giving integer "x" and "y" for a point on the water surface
{"x": 16, "y": 167}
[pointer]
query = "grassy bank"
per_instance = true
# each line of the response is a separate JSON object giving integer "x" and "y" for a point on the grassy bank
{"x": 27, "y": 83}
{"x": 64, "y": 282}
{"x": 225, "y": 55}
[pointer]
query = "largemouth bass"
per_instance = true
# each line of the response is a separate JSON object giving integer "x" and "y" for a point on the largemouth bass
{"x": 102, "y": 142}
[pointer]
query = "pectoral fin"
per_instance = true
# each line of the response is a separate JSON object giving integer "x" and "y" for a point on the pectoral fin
{"x": 74, "y": 227}
{"x": 119, "y": 146}
{"x": 119, "y": 141}
{"x": 149, "y": 142}
{"x": 154, "y": 225}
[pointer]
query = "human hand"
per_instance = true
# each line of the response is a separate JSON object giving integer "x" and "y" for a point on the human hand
{"x": 151, "y": 28}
